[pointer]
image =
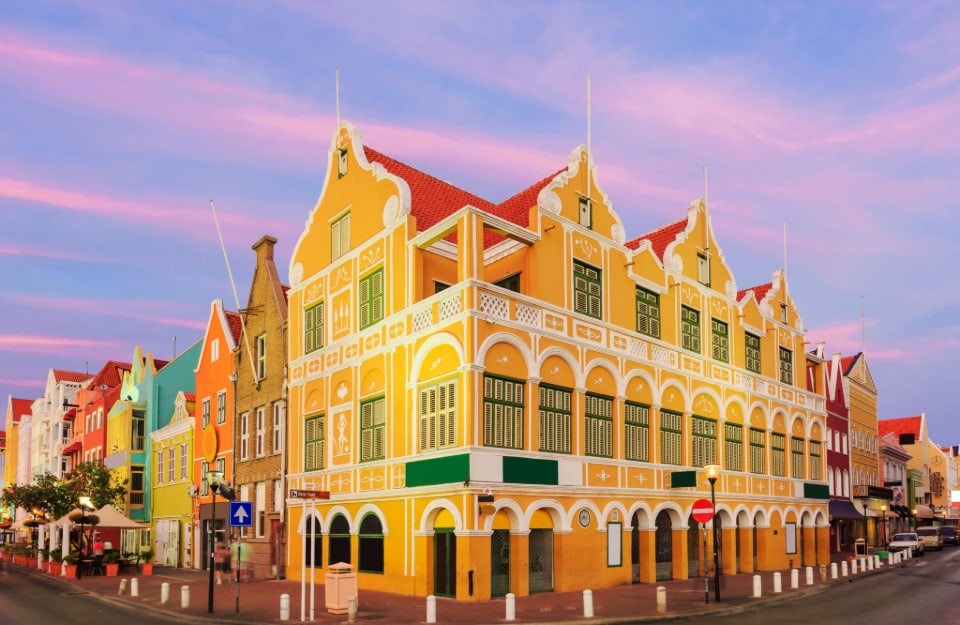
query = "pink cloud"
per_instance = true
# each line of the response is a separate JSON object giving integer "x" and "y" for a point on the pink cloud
{"x": 114, "y": 308}
{"x": 21, "y": 383}
{"x": 38, "y": 253}
{"x": 45, "y": 344}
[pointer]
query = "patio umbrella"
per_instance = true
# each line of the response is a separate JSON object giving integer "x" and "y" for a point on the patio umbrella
{"x": 112, "y": 518}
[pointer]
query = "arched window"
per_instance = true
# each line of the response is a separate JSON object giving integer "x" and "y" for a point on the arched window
{"x": 313, "y": 543}
{"x": 339, "y": 540}
{"x": 371, "y": 545}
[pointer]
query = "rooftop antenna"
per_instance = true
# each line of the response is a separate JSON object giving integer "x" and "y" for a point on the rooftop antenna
{"x": 863, "y": 328}
{"x": 588, "y": 138}
{"x": 337, "y": 96}
{"x": 236, "y": 299}
{"x": 174, "y": 347}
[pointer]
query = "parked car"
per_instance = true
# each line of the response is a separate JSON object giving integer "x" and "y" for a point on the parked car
{"x": 931, "y": 537}
{"x": 905, "y": 541}
{"x": 949, "y": 534}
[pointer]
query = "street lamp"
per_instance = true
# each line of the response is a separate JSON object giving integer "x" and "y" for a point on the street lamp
{"x": 214, "y": 479}
{"x": 883, "y": 525}
{"x": 85, "y": 506}
{"x": 914, "y": 511}
{"x": 713, "y": 472}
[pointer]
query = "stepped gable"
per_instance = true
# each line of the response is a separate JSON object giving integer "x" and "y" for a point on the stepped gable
{"x": 660, "y": 238}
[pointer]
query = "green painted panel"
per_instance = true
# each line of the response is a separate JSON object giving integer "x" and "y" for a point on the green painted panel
{"x": 438, "y": 470}
{"x": 683, "y": 479}
{"x": 530, "y": 471}
{"x": 816, "y": 491}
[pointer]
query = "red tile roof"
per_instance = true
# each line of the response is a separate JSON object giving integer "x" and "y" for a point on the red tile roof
{"x": 660, "y": 238}
{"x": 904, "y": 425}
{"x": 432, "y": 199}
{"x": 759, "y": 292}
{"x": 847, "y": 362}
{"x": 110, "y": 374}
{"x": 236, "y": 325}
{"x": 20, "y": 408}
{"x": 70, "y": 376}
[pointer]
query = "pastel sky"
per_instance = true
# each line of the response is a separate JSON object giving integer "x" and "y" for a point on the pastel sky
{"x": 837, "y": 122}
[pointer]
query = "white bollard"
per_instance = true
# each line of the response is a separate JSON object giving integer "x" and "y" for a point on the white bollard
{"x": 794, "y": 578}
{"x": 661, "y": 599}
{"x": 853, "y": 566}
{"x": 833, "y": 570}
{"x": 431, "y": 609}
{"x": 877, "y": 562}
{"x": 284, "y": 607}
{"x": 588, "y": 603}
{"x": 123, "y": 587}
{"x": 352, "y": 610}
{"x": 870, "y": 563}
{"x": 777, "y": 585}
{"x": 165, "y": 592}
{"x": 511, "y": 607}
{"x": 134, "y": 587}
{"x": 809, "y": 575}
{"x": 184, "y": 596}
{"x": 844, "y": 569}
{"x": 757, "y": 586}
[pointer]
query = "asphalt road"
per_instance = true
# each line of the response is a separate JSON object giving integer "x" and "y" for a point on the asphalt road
{"x": 926, "y": 593}
{"x": 32, "y": 600}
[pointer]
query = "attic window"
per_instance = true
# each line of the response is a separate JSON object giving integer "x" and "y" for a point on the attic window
{"x": 586, "y": 212}
{"x": 703, "y": 269}
{"x": 783, "y": 313}
{"x": 341, "y": 162}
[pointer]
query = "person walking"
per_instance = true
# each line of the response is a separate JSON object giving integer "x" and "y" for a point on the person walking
{"x": 221, "y": 561}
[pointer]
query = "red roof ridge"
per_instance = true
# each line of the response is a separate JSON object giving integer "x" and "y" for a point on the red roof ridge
{"x": 902, "y": 425}
{"x": 235, "y": 322}
{"x": 661, "y": 237}
{"x": 61, "y": 375}
{"x": 759, "y": 291}
{"x": 516, "y": 208}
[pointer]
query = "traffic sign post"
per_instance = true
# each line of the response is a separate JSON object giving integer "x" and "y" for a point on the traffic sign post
{"x": 702, "y": 510}
{"x": 241, "y": 514}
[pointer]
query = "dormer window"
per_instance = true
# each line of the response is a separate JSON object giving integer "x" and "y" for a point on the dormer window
{"x": 341, "y": 162}
{"x": 783, "y": 313}
{"x": 586, "y": 212}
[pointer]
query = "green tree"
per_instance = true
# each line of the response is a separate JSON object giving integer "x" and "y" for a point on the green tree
{"x": 98, "y": 483}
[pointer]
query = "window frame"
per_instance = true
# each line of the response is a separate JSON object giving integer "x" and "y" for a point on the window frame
{"x": 671, "y": 437}
{"x": 720, "y": 339}
{"x": 313, "y": 328}
{"x": 778, "y": 459}
{"x": 556, "y": 414}
{"x": 261, "y": 347}
{"x": 786, "y": 366}
{"x": 587, "y": 290}
{"x": 314, "y": 442}
{"x": 504, "y": 429}
{"x": 244, "y": 427}
{"x": 221, "y": 407}
{"x": 373, "y": 432}
{"x": 703, "y": 441}
{"x": 636, "y": 435}
{"x": 437, "y": 426}
{"x": 648, "y": 312}
{"x": 340, "y": 237}
{"x": 752, "y": 352}
{"x": 371, "y": 298}
{"x": 733, "y": 447}
{"x": 598, "y": 425}
{"x": 260, "y": 436}
{"x": 690, "y": 329}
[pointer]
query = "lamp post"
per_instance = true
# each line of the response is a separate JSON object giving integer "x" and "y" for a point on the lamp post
{"x": 214, "y": 479}
{"x": 883, "y": 525}
{"x": 914, "y": 519}
{"x": 713, "y": 472}
{"x": 85, "y": 506}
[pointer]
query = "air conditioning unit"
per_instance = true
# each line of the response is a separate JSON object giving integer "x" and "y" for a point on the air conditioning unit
{"x": 193, "y": 490}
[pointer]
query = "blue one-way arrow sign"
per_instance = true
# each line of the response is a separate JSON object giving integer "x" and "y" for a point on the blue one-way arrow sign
{"x": 241, "y": 513}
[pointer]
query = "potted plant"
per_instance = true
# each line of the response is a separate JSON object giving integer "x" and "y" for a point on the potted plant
{"x": 111, "y": 563}
{"x": 56, "y": 561}
{"x": 146, "y": 557}
{"x": 70, "y": 564}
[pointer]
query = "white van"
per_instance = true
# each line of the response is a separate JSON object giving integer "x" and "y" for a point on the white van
{"x": 931, "y": 537}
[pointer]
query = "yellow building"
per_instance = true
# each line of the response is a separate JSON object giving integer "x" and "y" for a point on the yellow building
{"x": 173, "y": 485}
{"x": 516, "y": 397}
{"x": 864, "y": 447}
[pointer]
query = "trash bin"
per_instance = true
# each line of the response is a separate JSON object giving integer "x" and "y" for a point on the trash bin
{"x": 341, "y": 584}
{"x": 860, "y": 547}
{"x": 883, "y": 555}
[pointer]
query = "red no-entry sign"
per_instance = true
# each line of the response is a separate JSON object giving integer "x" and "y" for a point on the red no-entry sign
{"x": 702, "y": 510}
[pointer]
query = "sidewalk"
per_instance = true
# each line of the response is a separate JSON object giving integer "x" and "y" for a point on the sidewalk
{"x": 259, "y": 601}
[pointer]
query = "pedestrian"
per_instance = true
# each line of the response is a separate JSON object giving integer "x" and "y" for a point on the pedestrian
{"x": 221, "y": 561}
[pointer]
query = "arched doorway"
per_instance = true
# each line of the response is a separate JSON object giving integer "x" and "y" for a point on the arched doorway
{"x": 313, "y": 543}
{"x": 500, "y": 563}
{"x": 339, "y": 540}
{"x": 635, "y": 548}
{"x": 736, "y": 546}
{"x": 540, "y": 552}
{"x": 664, "y": 546}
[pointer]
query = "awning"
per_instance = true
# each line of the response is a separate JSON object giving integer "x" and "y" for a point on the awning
{"x": 72, "y": 447}
{"x": 900, "y": 510}
{"x": 924, "y": 511}
{"x": 844, "y": 509}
